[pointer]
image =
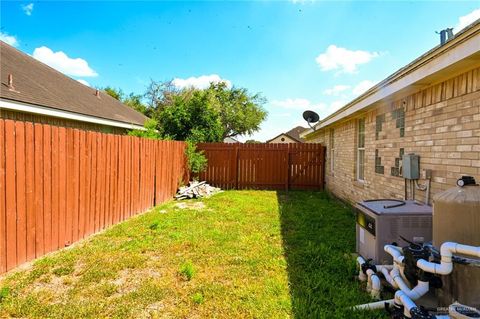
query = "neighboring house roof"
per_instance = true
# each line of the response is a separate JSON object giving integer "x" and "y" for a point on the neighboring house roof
{"x": 230, "y": 140}
{"x": 38, "y": 85}
{"x": 442, "y": 62}
{"x": 294, "y": 134}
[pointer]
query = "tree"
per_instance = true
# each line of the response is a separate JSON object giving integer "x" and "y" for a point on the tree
{"x": 208, "y": 115}
{"x": 240, "y": 112}
{"x": 191, "y": 116}
{"x": 252, "y": 142}
{"x": 132, "y": 100}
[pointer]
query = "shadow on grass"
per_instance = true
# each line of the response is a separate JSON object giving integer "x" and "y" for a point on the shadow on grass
{"x": 318, "y": 234}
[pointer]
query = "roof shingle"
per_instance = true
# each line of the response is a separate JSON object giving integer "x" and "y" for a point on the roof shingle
{"x": 38, "y": 84}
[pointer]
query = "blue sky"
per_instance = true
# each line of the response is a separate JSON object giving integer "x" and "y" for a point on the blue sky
{"x": 299, "y": 54}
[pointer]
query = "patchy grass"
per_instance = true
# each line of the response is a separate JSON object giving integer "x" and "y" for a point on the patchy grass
{"x": 255, "y": 254}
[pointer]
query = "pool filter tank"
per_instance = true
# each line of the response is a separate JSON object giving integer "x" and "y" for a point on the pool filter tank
{"x": 456, "y": 218}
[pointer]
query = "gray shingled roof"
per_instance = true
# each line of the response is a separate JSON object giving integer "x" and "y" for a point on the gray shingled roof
{"x": 38, "y": 84}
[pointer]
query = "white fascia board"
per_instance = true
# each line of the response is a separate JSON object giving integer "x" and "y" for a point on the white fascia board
{"x": 377, "y": 93}
{"x": 35, "y": 109}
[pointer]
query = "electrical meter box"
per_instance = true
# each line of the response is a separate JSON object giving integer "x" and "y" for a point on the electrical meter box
{"x": 411, "y": 166}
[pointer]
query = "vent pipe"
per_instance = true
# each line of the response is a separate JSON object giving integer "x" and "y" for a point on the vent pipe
{"x": 10, "y": 82}
{"x": 445, "y": 35}
{"x": 97, "y": 93}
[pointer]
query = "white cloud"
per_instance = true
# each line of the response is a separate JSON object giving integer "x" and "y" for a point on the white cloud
{"x": 61, "y": 62}
{"x": 297, "y": 103}
{"x": 9, "y": 39}
{"x": 344, "y": 60}
{"x": 201, "y": 82}
{"x": 336, "y": 90}
{"x": 363, "y": 87}
{"x": 301, "y": 104}
{"x": 467, "y": 19}
{"x": 83, "y": 82}
{"x": 28, "y": 9}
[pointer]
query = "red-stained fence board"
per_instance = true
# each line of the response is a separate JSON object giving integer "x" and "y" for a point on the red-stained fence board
{"x": 21, "y": 192}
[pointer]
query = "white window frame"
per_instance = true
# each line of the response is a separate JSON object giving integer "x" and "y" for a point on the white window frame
{"x": 332, "y": 151}
{"x": 360, "y": 150}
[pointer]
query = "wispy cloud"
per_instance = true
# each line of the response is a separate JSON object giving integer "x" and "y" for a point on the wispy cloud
{"x": 60, "y": 61}
{"x": 363, "y": 86}
{"x": 298, "y": 104}
{"x": 9, "y": 39}
{"x": 302, "y": 104}
{"x": 467, "y": 19}
{"x": 336, "y": 90}
{"x": 201, "y": 82}
{"x": 28, "y": 9}
{"x": 83, "y": 82}
{"x": 343, "y": 60}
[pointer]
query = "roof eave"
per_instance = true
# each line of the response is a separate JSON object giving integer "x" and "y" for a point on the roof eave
{"x": 46, "y": 111}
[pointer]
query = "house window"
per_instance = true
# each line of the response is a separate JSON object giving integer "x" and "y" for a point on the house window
{"x": 332, "y": 150}
{"x": 361, "y": 150}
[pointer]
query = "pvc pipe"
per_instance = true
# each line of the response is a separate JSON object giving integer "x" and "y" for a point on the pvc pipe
{"x": 446, "y": 251}
{"x": 401, "y": 298}
{"x": 373, "y": 284}
{"x": 389, "y": 278}
{"x": 418, "y": 291}
{"x": 360, "y": 262}
{"x": 374, "y": 305}
{"x": 394, "y": 252}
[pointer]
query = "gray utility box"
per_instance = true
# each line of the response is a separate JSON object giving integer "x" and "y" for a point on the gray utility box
{"x": 379, "y": 225}
{"x": 411, "y": 166}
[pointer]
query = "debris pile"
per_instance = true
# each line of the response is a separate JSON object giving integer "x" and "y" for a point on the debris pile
{"x": 196, "y": 190}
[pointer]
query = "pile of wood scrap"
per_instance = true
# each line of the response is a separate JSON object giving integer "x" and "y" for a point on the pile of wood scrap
{"x": 196, "y": 190}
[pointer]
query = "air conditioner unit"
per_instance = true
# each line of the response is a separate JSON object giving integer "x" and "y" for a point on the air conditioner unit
{"x": 381, "y": 222}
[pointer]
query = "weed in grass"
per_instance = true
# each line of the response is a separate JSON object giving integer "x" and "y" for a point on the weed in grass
{"x": 153, "y": 226}
{"x": 63, "y": 271}
{"x": 187, "y": 270}
{"x": 4, "y": 292}
{"x": 198, "y": 298}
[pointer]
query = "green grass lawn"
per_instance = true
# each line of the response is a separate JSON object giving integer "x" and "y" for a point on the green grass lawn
{"x": 238, "y": 254}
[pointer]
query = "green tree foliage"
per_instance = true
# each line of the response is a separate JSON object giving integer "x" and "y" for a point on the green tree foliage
{"x": 208, "y": 115}
{"x": 252, "y": 142}
{"x": 149, "y": 132}
{"x": 132, "y": 100}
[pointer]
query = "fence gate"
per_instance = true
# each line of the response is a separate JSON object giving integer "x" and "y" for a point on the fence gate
{"x": 264, "y": 166}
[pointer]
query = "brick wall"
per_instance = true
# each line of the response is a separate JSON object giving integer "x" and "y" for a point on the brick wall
{"x": 440, "y": 123}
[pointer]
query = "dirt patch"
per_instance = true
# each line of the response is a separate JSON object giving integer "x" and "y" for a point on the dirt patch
{"x": 191, "y": 205}
{"x": 130, "y": 279}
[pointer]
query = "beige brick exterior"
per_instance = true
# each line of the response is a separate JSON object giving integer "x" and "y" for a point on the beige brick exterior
{"x": 441, "y": 124}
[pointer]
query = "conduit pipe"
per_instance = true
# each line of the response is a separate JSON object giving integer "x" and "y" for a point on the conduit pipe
{"x": 446, "y": 251}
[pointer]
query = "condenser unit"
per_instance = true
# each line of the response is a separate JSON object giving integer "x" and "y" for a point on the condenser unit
{"x": 385, "y": 221}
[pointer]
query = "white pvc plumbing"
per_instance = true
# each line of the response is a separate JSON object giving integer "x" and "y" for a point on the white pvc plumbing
{"x": 417, "y": 292}
{"x": 373, "y": 282}
{"x": 395, "y": 252}
{"x": 446, "y": 251}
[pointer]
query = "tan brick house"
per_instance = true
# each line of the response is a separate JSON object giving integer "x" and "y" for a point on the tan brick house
{"x": 431, "y": 107}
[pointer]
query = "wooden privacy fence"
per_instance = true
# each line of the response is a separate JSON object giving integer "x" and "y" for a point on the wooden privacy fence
{"x": 264, "y": 166}
{"x": 58, "y": 185}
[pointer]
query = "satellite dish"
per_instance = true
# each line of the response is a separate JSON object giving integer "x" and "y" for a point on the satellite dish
{"x": 311, "y": 117}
